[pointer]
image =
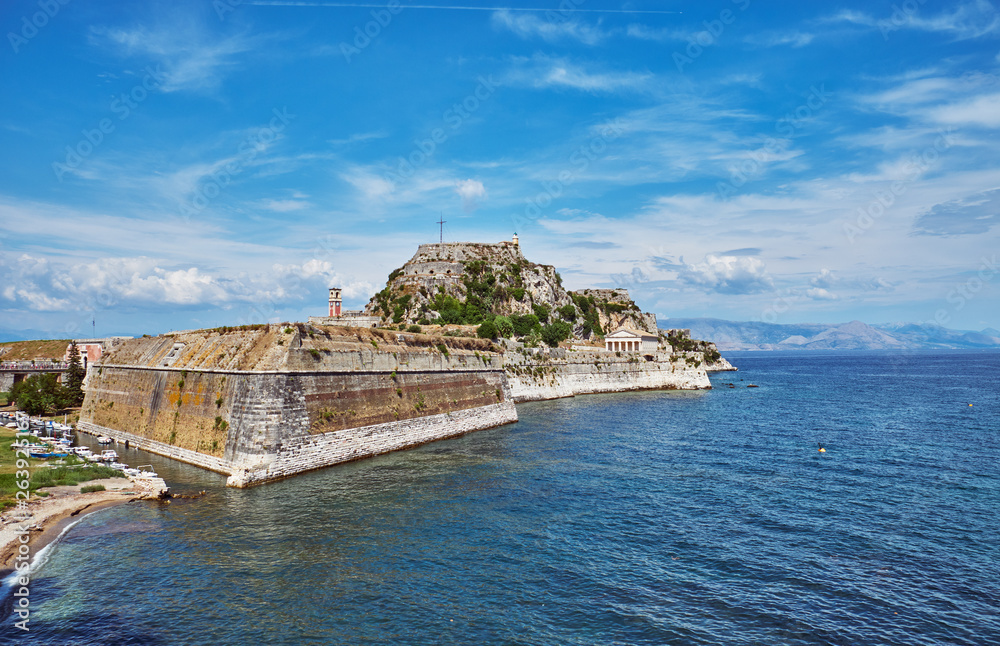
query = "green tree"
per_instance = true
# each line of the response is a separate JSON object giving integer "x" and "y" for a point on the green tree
{"x": 39, "y": 394}
{"x": 73, "y": 380}
{"x": 504, "y": 326}
{"x": 524, "y": 323}
{"x": 542, "y": 312}
{"x": 555, "y": 332}
{"x": 487, "y": 330}
{"x": 568, "y": 312}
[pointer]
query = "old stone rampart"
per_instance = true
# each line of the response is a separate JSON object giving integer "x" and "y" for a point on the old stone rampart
{"x": 535, "y": 374}
{"x": 259, "y": 423}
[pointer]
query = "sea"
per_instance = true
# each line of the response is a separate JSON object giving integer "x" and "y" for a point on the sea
{"x": 705, "y": 517}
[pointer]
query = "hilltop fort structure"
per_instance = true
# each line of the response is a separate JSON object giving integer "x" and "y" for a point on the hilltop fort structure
{"x": 264, "y": 402}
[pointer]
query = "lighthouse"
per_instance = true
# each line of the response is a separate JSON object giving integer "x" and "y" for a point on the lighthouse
{"x": 335, "y": 302}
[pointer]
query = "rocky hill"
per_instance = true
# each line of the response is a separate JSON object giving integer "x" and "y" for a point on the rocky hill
{"x": 469, "y": 283}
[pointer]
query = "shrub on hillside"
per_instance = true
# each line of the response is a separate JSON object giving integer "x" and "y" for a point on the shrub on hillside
{"x": 487, "y": 330}
{"x": 505, "y": 327}
{"x": 555, "y": 332}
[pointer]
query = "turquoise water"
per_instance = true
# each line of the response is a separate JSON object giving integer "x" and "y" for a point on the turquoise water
{"x": 641, "y": 518}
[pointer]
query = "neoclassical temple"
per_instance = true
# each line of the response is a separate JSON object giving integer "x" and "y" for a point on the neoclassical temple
{"x": 628, "y": 340}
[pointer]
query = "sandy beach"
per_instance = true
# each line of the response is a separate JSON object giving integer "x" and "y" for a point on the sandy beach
{"x": 64, "y": 505}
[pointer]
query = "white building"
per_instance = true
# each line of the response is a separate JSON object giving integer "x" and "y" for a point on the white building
{"x": 628, "y": 340}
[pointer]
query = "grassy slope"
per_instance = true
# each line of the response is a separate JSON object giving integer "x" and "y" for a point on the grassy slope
{"x": 27, "y": 350}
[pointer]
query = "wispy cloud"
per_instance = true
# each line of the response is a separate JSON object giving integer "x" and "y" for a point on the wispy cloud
{"x": 544, "y": 72}
{"x": 359, "y": 137}
{"x": 971, "y": 215}
{"x": 975, "y": 111}
{"x": 529, "y": 25}
{"x": 965, "y": 21}
{"x": 283, "y": 206}
{"x": 644, "y": 32}
{"x": 939, "y": 99}
{"x": 778, "y": 39}
{"x": 191, "y": 60}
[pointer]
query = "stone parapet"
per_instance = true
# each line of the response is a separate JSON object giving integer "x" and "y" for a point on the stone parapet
{"x": 542, "y": 375}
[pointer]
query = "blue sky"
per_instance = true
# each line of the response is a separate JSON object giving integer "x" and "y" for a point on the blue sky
{"x": 172, "y": 165}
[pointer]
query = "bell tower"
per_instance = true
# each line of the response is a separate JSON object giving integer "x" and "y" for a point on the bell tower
{"x": 335, "y": 302}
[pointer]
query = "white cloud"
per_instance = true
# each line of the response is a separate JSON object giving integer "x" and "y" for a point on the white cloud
{"x": 472, "y": 193}
{"x": 190, "y": 59}
{"x": 793, "y": 39}
{"x": 642, "y": 32}
{"x": 937, "y": 100}
{"x": 360, "y": 136}
{"x": 825, "y": 279}
{"x": 528, "y": 25}
{"x": 728, "y": 275}
{"x": 976, "y": 111}
{"x": 854, "y": 17}
{"x": 545, "y": 72}
{"x": 283, "y": 206}
{"x": 821, "y": 294}
{"x": 966, "y": 21}
{"x": 371, "y": 185}
{"x": 110, "y": 283}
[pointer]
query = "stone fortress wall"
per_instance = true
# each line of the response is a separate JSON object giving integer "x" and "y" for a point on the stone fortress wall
{"x": 264, "y": 404}
{"x": 535, "y": 374}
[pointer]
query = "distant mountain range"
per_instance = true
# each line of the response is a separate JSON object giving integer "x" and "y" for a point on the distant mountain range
{"x": 751, "y": 335}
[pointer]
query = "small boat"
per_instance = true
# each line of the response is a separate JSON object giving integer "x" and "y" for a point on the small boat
{"x": 109, "y": 455}
{"x": 118, "y": 465}
{"x": 11, "y": 425}
{"x": 129, "y": 471}
{"x": 104, "y": 439}
{"x": 93, "y": 458}
{"x": 47, "y": 455}
{"x": 147, "y": 474}
{"x": 82, "y": 451}
{"x": 33, "y": 448}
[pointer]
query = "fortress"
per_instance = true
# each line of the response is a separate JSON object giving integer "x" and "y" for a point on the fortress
{"x": 260, "y": 403}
